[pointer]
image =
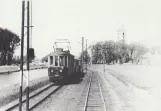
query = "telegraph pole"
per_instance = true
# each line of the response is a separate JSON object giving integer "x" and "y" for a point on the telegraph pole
{"x": 82, "y": 53}
{"x": 30, "y": 45}
{"x": 30, "y": 52}
{"x": 21, "y": 66}
{"x": 27, "y": 80}
{"x": 91, "y": 54}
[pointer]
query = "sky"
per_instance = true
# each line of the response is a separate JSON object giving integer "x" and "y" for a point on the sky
{"x": 96, "y": 20}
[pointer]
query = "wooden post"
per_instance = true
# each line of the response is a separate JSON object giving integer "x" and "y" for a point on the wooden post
{"x": 27, "y": 80}
{"x": 21, "y": 66}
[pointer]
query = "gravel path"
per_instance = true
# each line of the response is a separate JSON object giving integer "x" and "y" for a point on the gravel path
{"x": 130, "y": 87}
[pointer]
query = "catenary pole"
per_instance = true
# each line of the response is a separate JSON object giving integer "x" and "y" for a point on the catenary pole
{"x": 31, "y": 26}
{"x": 21, "y": 66}
{"x": 27, "y": 80}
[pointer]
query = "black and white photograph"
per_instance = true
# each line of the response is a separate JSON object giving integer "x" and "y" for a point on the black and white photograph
{"x": 80, "y": 55}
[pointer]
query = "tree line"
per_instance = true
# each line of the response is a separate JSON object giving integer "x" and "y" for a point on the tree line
{"x": 111, "y": 52}
{"x": 117, "y": 52}
{"x": 8, "y": 43}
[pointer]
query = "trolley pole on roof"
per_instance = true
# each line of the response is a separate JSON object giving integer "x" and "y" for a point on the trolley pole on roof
{"x": 82, "y": 53}
{"x": 21, "y": 66}
{"x": 27, "y": 80}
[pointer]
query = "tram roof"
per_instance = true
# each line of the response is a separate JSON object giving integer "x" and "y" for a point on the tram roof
{"x": 60, "y": 53}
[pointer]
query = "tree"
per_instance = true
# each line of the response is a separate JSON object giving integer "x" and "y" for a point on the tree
{"x": 86, "y": 57}
{"x": 44, "y": 59}
{"x": 132, "y": 49}
{"x": 8, "y": 43}
{"x": 108, "y": 51}
{"x": 97, "y": 53}
{"x": 139, "y": 51}
{"x": 117, "y": 52}
{"x": 124, "y": 53}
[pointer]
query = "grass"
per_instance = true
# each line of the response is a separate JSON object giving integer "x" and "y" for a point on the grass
{"x": 11, "y": 93}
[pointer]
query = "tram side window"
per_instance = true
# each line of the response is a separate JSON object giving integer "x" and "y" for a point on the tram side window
{"x": 56, "y": 60}
{"x": 51, "y": 60}
{"x": 65, "y": 60}
{"x": 73, "y": 61}
{"x": 61, "y": 61}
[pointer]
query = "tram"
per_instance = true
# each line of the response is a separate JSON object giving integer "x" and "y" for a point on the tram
{"x": 62, "y": 65}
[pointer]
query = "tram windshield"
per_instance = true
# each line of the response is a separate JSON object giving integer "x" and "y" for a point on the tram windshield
{"x": 58, "y": 60}
{"x": 61, "y": 61}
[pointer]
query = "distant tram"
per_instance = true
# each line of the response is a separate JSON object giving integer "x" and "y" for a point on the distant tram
{"x": 62, "y": 65}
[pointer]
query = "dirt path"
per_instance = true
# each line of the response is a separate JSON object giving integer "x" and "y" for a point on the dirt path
{"x": 130, "y": 88}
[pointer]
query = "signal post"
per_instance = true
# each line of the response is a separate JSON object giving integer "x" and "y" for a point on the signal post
{"x": 21, "y": 65}
{"x": 30, "y": 55}
{"x": 28, "y": 69}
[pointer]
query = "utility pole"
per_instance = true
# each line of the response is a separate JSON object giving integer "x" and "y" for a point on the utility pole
{"x": 30, "y": 45}
{"x": 21, "y": 66}
{"x": 28, "y": 34}
{"x": 86, "y": 55}
{"x": 29, "y": 53}
{"x": 82, "y": 53}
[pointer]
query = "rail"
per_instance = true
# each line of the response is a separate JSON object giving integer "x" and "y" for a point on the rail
{"x": 15, "y": 104}
{"x": 94, "y": 98}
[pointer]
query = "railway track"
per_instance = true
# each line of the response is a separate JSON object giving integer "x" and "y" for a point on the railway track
{"x": 92, "y": 97}
{"x": 35, "y": 98}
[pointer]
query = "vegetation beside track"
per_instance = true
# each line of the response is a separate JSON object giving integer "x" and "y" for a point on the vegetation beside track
{"x": 10, "y": 93}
